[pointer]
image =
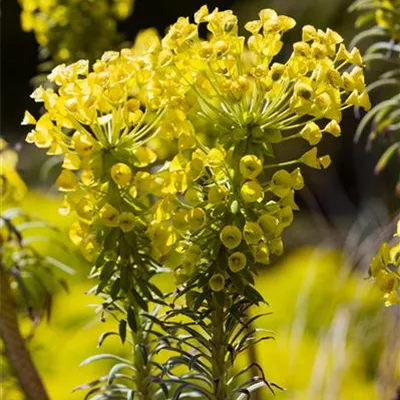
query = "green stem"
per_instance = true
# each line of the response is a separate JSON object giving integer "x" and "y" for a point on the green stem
{"x": 282, "y": 164}
{"x": 218, "y": 350}
{"x": 140, "y": 356}
{"x": 253, "y": 359}
{"x": 17, "y": 352}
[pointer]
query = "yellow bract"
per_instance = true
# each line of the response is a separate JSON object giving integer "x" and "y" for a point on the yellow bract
{"x": 127, "y": 221}
{"x": 251, "y": 191}
{"x": 250, "y": 166}
{"x": 67, "y": 181}
{"x": 217, "y": 282}
{"x": 237, "y": 261}
{"x": 231, "y": 236}
{"x": 109, "y": 215}
{"x": 121, "y": 174}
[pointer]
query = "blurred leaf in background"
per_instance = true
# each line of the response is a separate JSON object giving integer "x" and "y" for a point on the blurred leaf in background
{"x": 68, "y": 30}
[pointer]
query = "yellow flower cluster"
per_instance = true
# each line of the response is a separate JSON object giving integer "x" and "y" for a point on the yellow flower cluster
{"x": 74, "y": 29}
{"x": 385, "y": 269}
{"x": 217, "y": 209}
{"x": 102, "y": 123}
{"x": 222, "y": 211}
{"x": 245, "y": 95}
{"x": 12, "y": 187}
{"x": 215, "y": 217}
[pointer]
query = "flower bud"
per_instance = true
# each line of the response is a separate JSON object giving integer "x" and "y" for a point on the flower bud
{"x": 333, "y": 128}
{"x": 261, "y": 253}
{"x": 217, "y": 194}
{"x": 270, "y": 224}
{"x": 312, "y": 133}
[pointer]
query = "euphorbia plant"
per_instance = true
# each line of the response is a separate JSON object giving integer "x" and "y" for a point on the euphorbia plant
{"x": 213, "y": 212}
{"x": 228, "y": 197}
{"x": 101, "y": 122}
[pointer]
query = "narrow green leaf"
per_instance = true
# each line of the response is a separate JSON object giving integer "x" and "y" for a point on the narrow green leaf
{"x": 237, "y": 282}
{"x": 110, "y": 240}
{"x": 141, "y": 302}
{"x": 105, "y": 276}
{"x": 103, "y": 337}
{"x": 103, "y": 356}
{"x": 386, "y": 156}
{"x": 115, "y": 288}
{"x": 155, "y": 290}
{"x": 132, "y": 319}
{"x": 122, "y": 330}
{"x": 252, "y": 294}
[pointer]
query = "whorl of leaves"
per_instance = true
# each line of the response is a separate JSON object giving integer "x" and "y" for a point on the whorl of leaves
{"x": 122, "y": 378}
{"x": 183, "y": 337}
{"x": 194, "y": 370}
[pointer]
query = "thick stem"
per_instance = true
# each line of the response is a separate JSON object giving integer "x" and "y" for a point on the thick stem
{"x": 218, "y": 350}
{"x": 17, "y": 353}
{"x": 140, "y": 356}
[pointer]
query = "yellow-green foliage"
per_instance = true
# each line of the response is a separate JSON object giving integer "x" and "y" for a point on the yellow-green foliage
{"x": 328, "y": 328}
{"x": 303, "y": 315}
{"x": 323, "y": 318}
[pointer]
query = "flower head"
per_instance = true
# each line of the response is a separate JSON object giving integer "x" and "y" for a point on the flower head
{"x": 102, "y": 119}
{"x": 238, "y": 105}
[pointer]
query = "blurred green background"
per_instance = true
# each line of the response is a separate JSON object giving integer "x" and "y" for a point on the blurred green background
{"x": 335, "y": 339}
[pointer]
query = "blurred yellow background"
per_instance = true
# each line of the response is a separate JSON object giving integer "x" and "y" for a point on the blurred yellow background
{"x": 332, "y": 331}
